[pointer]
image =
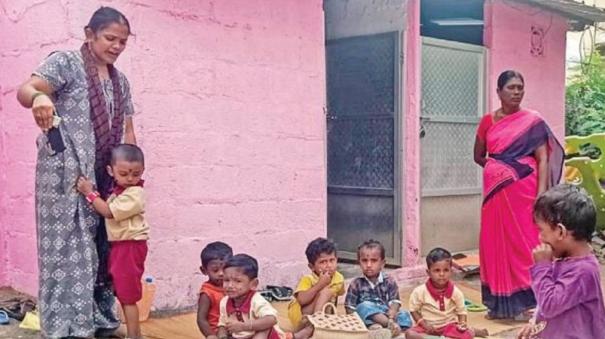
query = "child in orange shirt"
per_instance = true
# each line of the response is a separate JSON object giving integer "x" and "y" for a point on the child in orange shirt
{"x": 213, "y": 256}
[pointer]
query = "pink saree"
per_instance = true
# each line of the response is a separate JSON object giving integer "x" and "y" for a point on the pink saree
{"x": 508, "y": 232}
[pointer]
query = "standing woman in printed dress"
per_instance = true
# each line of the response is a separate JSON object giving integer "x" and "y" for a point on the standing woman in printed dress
{"x": 92, "y": 101}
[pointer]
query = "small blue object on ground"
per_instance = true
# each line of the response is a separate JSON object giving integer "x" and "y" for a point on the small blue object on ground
{"x": 3, "y": 318}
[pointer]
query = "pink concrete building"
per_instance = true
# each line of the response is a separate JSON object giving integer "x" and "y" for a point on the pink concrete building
{"x": 268, "y": 123}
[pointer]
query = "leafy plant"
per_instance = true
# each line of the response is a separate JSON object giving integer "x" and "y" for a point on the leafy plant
{"x": 585, "y": 99}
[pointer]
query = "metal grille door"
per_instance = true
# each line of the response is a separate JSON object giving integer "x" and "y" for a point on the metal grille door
{"x": 362, "y": 77}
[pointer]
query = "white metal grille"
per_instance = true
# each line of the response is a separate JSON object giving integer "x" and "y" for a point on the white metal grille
{"x": 452, "y": 103}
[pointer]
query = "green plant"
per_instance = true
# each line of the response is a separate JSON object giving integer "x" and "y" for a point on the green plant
{"x": 585, "y": 99}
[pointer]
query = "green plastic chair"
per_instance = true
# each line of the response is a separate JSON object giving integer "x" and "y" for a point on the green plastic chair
{"x": 587, "y": 172}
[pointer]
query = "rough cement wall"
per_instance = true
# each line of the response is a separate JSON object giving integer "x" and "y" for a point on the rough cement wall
{"x": 229, "y": 99}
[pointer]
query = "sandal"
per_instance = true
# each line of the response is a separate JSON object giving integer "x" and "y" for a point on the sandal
{"x": 280, "y": 293}
{"x": 267, "y": 295}
{"x": 4, "y": 318}
{"x": 472, "y": 307}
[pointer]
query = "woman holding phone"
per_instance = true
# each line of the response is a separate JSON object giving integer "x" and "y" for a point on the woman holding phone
{"x": 82, "y": 104}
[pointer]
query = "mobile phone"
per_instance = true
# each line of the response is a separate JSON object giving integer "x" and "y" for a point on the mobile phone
{"x": 55, "y": 140}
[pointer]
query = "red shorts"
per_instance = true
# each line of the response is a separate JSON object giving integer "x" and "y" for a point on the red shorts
{"x": 449, "y": 331}
{"x": 126, "y": 267}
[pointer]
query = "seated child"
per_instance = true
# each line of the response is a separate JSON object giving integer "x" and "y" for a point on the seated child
{"x": 314, "y": 290}
{"x": 565, "y": 275}
{"x": 213, "y": 258}
{"x": 438, "y": 305}
{"x": 127, "y": 229}
{"x": 244, "y": 313}
{"x": 375, "y": 296}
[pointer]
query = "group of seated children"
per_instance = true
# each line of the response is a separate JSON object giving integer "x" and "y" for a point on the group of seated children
{"x": 230, "y": 307}
{"x": 565, "y": 280}
{"x": 565, "y": 275}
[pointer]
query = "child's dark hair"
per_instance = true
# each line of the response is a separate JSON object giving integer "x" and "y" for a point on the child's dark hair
{"x": 246, "y": 263}
{"x": 437, "y": 254}
{"x": 317, "y": 247}
{"x": 369, "y": 244}
{"x": 105, "y": 16}
{"x": 127, "y": 152}
{"x": 217, "y": 250}
{"x": 570, "y": 206}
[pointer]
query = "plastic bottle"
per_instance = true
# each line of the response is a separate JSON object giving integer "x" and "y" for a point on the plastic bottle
{"x": 147, "y": 300}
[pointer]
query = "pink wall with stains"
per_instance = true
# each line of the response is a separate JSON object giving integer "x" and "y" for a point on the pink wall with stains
{"x": 229, "y": 99}
{"x": 229, "y": 105}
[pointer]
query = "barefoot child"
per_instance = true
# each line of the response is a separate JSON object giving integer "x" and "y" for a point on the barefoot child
{"x": 127, "y": 229}
{"x": 375, "y": 296}
{"x": 438, "y": 305}
{"x": 314, "y": 290}
{"x": 565, "y": 275}
{"x": 213, "y": 258}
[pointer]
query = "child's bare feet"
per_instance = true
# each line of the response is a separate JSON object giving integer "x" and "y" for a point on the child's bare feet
{"x": 305, "y": 333}
{"x": 395, "y": 329}
{"x": 481, "y": 332}
{"x": 379, "y": 333}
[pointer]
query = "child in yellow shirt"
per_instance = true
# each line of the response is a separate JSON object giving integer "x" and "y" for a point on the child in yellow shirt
{"x": 314, "y": 290}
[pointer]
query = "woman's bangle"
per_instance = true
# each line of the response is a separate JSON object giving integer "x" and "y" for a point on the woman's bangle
{"x": 90, "y": 197}
{"x": 37, "y": 94}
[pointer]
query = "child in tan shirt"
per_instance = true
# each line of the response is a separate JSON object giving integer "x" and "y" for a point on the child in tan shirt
{"x": 127, "y": 229}
{"x": 438, "y": 305}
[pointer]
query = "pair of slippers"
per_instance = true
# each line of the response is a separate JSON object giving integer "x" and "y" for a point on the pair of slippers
{"x": 277, "y": 293}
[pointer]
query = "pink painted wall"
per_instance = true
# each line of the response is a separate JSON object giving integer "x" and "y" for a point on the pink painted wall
{"x": 508, "y": 38}
{"x": 412, "y": 269}
{"x": 229, "y": 99}
{"x": 412, "y": 97}
{"x": 229, "y": 102}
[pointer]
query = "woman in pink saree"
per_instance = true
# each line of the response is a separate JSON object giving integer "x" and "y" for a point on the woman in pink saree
{"x": 521, "y": 158}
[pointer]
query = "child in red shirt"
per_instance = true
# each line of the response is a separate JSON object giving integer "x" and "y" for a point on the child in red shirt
{"x": 213, "y": 258}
